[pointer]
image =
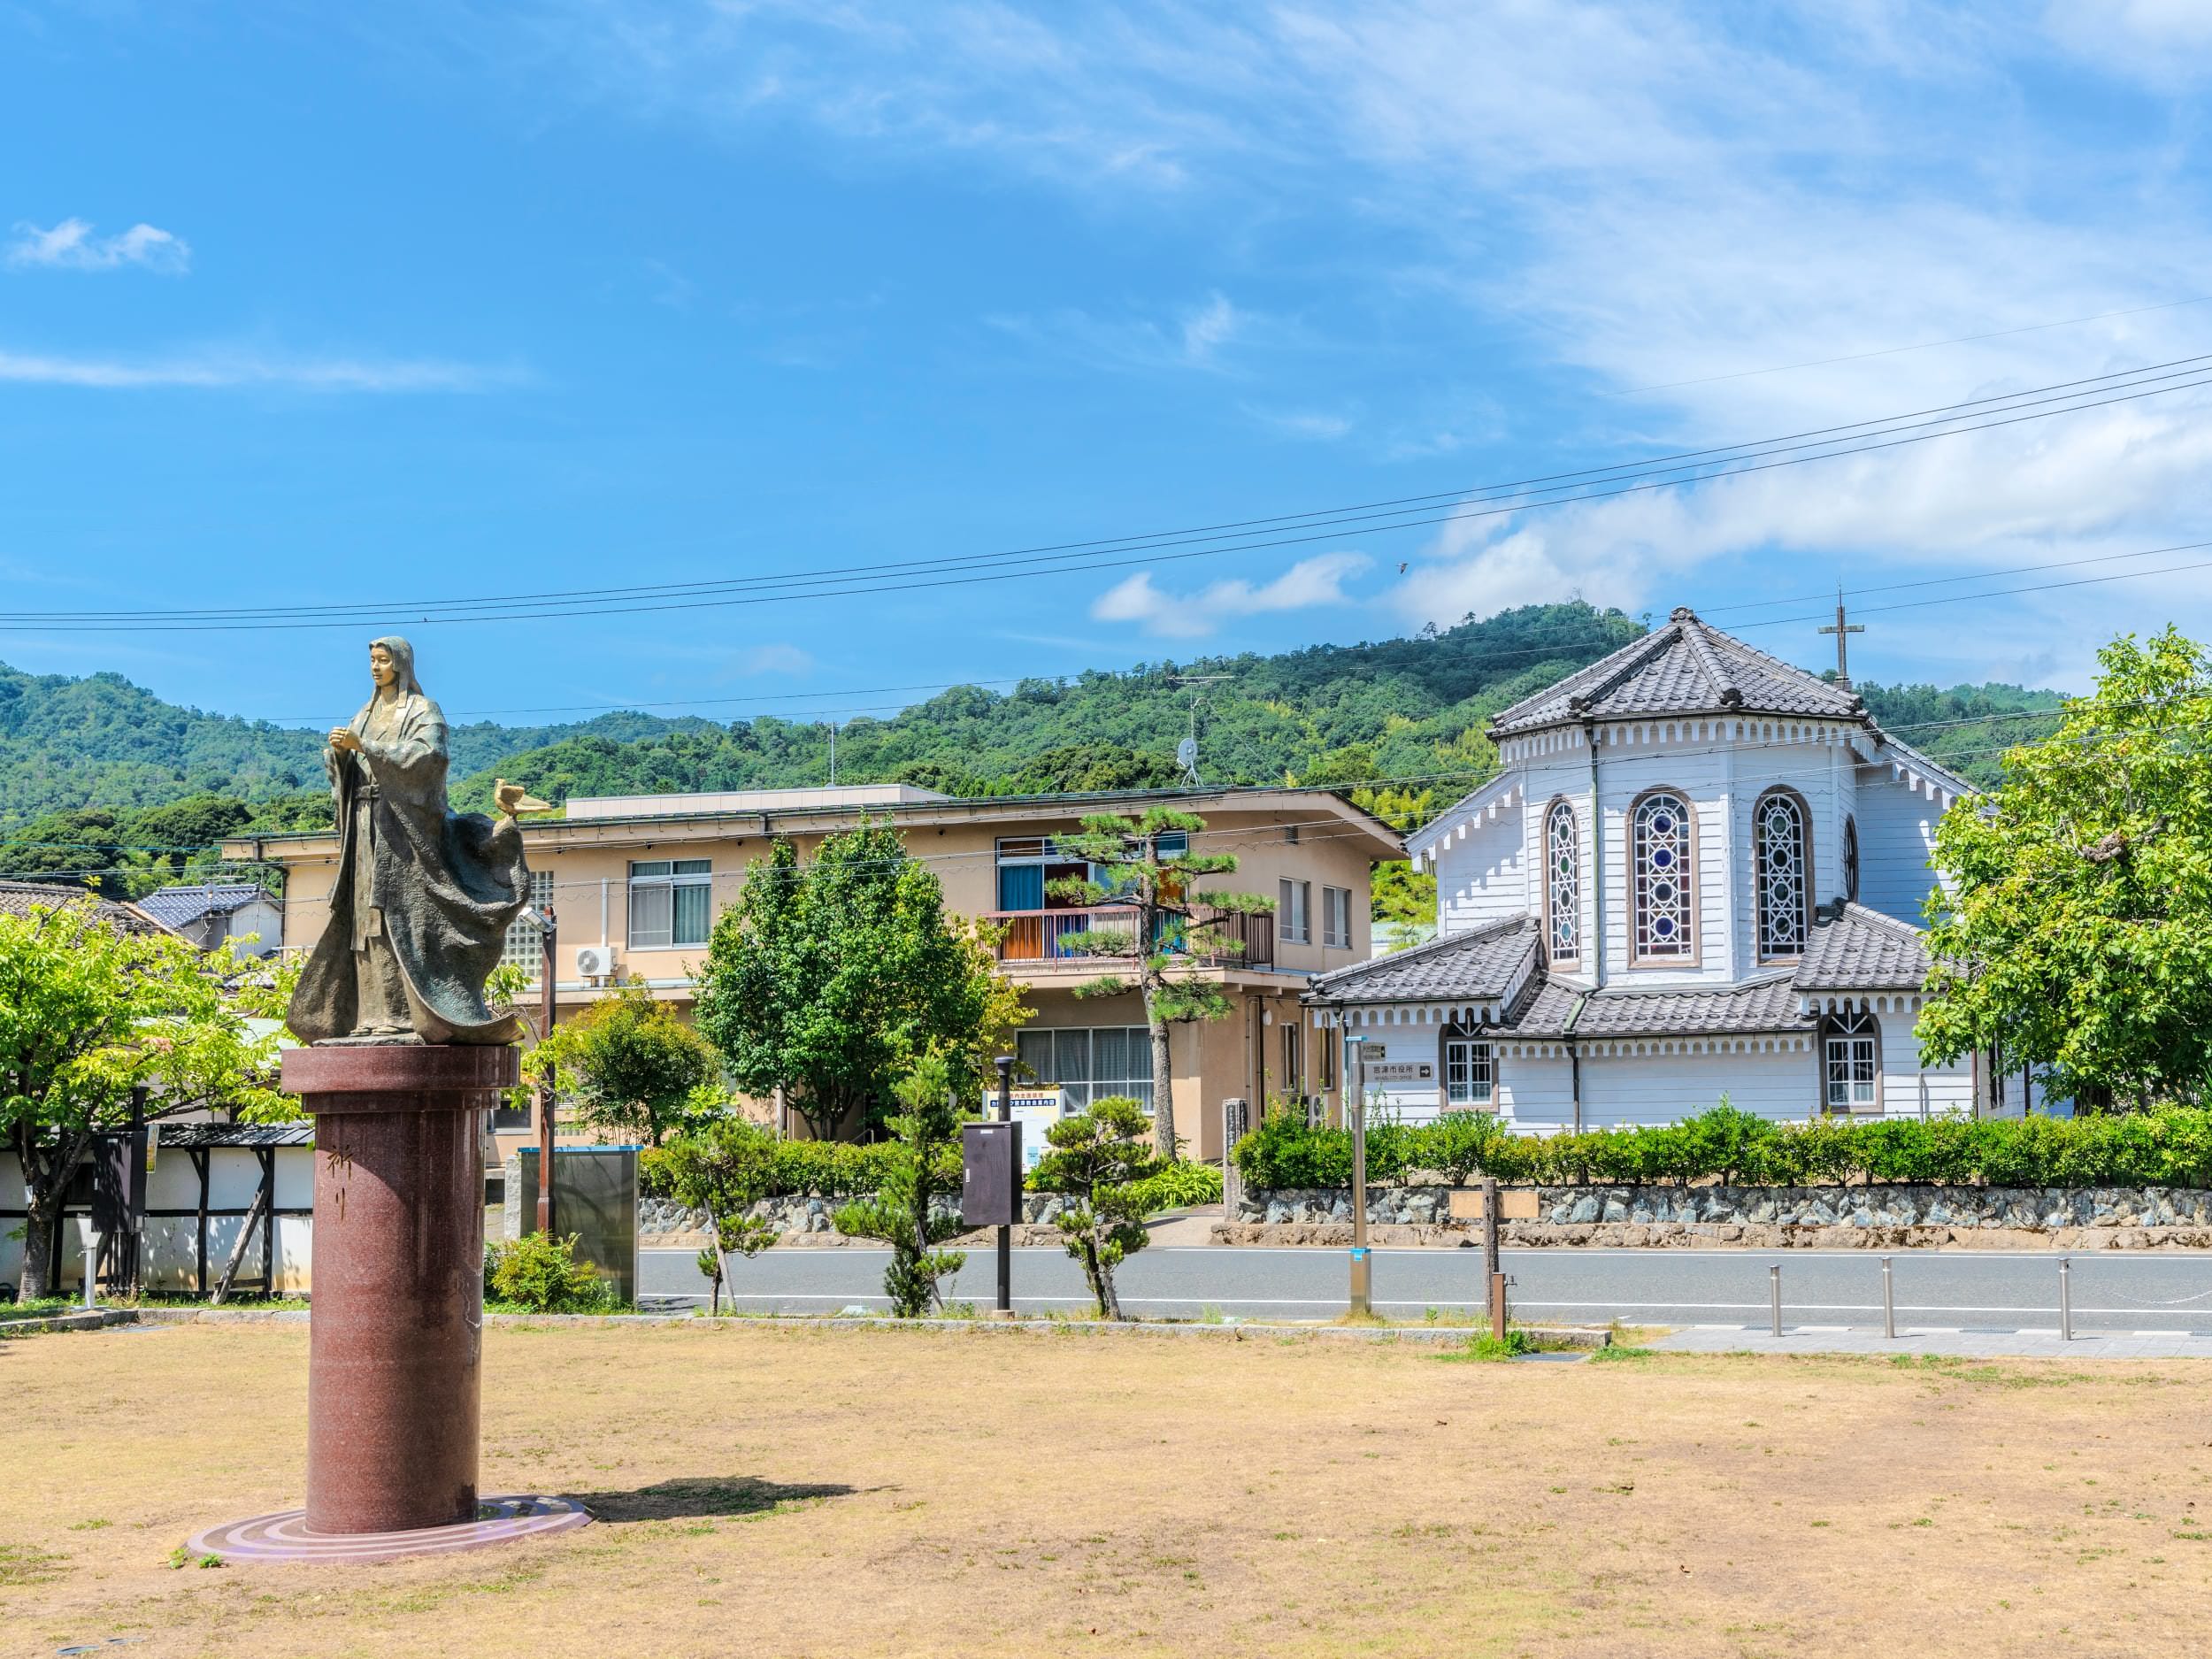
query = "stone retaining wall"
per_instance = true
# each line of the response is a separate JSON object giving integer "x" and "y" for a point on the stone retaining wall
{"x": 1901, "y": 1207}
{"x": 798, "y": 1215}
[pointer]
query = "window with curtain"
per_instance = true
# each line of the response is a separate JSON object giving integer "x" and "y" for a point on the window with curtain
{"x": 1294, "y": 901}
{"x": 1779, "y": 857}
{"x": 671, "y": 902}
{"x": 1336, "y": 918}
{"x": 1665, "y": 895}
{"x": 1090, "y": 1062}
{"x": 1562, "y": 884}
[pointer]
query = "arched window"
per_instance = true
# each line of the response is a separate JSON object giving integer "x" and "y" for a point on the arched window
{"x": 1852, "y": 1066}
{"x": 1778, "y": 824}
{"x": 1851, "y": 859}
{"x": 1562, "y": 884}
{"x": 1660, "y": 853}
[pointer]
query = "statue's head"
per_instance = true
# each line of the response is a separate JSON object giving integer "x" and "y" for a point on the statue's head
{"x": 392, "y": 664}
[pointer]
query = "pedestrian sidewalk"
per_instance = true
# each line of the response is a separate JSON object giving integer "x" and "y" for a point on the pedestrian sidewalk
{"x": 2027, "y": 1344}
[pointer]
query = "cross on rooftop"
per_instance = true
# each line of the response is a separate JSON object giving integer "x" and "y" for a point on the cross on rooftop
{"x": 1841, "y": 629}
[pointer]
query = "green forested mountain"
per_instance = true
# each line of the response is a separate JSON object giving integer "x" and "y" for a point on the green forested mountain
{"x": 100, "y": 774}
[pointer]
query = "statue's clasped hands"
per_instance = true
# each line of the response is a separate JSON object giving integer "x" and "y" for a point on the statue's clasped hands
{"x": 342, "y": 740}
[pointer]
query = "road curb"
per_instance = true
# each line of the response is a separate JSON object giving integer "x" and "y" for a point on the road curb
{"x": 97, "y": 1319}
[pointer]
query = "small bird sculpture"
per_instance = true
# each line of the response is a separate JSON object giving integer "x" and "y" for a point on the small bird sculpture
{"x": 514, "y": 800}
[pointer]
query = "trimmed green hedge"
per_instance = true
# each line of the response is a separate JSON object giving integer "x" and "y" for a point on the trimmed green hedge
{"x": 842, "y": 1169}
{"x": 2159, "y": 1148}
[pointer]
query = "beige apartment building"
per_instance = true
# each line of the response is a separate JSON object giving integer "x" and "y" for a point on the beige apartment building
{"x": 636, "y": 883}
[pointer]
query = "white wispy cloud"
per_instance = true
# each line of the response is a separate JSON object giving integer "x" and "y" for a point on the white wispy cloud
{"x": 1315, "y": 423}
{"x": 1312, "y": 581}
{"x": 217, "y": 369}
{"x": 1192, "y": 337}
{"x": 71, "y": 246}
{"x": 1639, "y": 197}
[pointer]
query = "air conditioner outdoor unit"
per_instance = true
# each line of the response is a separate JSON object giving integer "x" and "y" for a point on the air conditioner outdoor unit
{"x": 594, "y": 962}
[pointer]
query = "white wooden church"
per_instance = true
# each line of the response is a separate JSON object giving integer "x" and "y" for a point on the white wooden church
{"x": 1699, "y": 873}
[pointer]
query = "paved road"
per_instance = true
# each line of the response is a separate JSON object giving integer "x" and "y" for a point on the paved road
{"x": 1720, "y": 1289}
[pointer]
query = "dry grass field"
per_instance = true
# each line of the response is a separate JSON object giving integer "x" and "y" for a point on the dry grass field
{"x": 770, "y": 1492}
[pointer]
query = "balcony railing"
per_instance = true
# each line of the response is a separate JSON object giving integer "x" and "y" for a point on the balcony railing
{"x": 1046, "y": 936}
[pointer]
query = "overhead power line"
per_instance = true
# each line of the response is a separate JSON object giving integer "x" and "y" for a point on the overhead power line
{"x": 1162, "y": 547}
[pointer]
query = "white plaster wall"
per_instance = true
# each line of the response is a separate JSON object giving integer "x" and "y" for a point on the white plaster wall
{"x": 171, "y": 1242}
{"x": 1896, "y": 836}
{"x": 1485, "y": 877}
{"x": 1908, "y": 1089}
{"x": 1409, "y": 1103}
{"x": 1536, "y": 1095}
{"x": 1665, "y": 1088}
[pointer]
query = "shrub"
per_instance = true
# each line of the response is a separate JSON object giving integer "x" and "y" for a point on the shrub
{"x": 2169, "y": 1147}
{"x": 540, "y": 1274}
{"x": 1178, "y": 1186}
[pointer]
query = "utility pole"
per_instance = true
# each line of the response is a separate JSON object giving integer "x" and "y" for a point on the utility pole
{"x": 548, "y": 932}
{"x": 1187, "y": 751}
{"x": 1362, "y": 1268}
{"x": 1841, "y": 629}
{"x": 1005, "y": 1065}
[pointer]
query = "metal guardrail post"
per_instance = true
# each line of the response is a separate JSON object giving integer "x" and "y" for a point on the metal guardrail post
{"x": 2065, "y": 1298}
{"x": 1774, "y": 1289}
{"x": 1889, "y": 1300}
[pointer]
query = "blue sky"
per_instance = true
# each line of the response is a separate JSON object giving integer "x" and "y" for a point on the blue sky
{"x": 439, "y": 300}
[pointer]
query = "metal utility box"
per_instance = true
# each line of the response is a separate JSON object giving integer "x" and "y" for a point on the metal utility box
{"x": 991, "y": 1174}
{"x": 595, "y": 1196}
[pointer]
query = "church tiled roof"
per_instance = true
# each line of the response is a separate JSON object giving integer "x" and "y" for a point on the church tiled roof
{"x": 1863, "y": 951}
{"x": 1479, "y": 966}
{"x": 1561, "y": 1010}
{"x": 1687, "y": 667}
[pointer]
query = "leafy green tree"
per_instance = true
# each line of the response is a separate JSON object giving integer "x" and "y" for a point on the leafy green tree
{"x": 2074, "y": 926}
{"x": 724, "y": 1165}
{"x": 88, "y": 1014}
{"x": 827, "y": 981}
{"x": 1171, "y": 929}
{"x": 905, "y": 1214}
{"x": 1100, "y": 1160}
{"x": 629, "y": 1064}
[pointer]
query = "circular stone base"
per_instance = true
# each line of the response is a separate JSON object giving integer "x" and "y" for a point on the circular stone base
{"x": 284, "y": 1535}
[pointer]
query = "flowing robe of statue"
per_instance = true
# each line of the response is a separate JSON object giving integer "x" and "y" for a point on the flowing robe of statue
{"x": 423, "y": 898}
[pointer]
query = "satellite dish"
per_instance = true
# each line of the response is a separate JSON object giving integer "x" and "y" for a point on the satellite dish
{"x": 1186, "y": 753}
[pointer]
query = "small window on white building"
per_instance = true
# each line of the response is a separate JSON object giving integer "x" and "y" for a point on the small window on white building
{"x": 1854, "y": 1065}
{"x": 670, "y": 902}
{"x": 1336, "y": 918}
{"x": 1294, "y": 919}
{"x": 1470, "y": 1077}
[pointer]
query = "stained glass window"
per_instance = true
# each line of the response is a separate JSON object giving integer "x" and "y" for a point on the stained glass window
{"x": 1666, "y": 922}
{"x": 1779, "y": 823}
{"x": 1562, "y": 867}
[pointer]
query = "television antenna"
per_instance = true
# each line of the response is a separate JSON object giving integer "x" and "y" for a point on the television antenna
{"x": 1187, "y": 751}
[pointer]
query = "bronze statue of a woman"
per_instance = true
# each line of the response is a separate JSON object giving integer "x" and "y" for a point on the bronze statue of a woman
{"x": 420, "y": 910}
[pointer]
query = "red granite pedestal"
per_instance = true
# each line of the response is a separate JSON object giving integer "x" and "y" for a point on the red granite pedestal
{"x": 395, "y": 1331}
{"x": 396, "y": 1317}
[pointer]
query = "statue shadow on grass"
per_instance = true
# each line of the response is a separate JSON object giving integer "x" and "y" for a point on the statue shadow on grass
{"x": 709, "y": 1497}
